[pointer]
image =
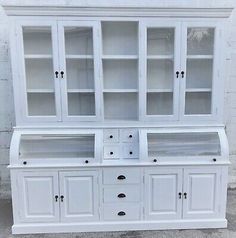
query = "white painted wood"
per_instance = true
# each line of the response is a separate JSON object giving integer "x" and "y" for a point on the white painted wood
{"x": 162, "y": 199}
{"x": 80, "y": 191}
{"x": 121, "y": 193}
{"x": 111, "y": 152}
{"x": 203, "y": 186}
{"x": 37, "y": 191}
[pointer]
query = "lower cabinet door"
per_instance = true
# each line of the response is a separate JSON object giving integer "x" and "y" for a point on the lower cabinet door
{"x": 79, "y": 196}
{"x": 162, "y": 199}
{"x": 201, "y": 193}
{"x": 38, "y": 193}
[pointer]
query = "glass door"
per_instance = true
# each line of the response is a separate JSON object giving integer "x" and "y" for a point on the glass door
{"x": 160, "y": 70}
{"x": 39, "y": 69}
{"x": 79, "y": 68}
{"x": 198, "y": 70}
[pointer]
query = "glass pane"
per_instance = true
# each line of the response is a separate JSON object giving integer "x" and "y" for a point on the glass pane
{"x": 39, "y": 71}
{"x": 200, "y": 41}
{"x": 160, "y": 74}
{"x": 199, "y": 73}
{"x": 160, "y": 41}
{"x": 57, "y": 146}
{"x": 198, "y": 103}
{"x": 41, "y": 104}
{"x": 183, "y": 144}
{"x": 81, "y": 104}
{"x": 78, "y": 41}
{"x": 160, "y": 103}
{"x": 80, "y": 74}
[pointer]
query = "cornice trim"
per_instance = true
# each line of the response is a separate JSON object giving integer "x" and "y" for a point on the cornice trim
{"x": 116, "y": 11}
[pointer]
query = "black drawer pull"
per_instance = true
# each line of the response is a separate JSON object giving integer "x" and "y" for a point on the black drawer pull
{"x": 121, "y": 195}
{"x": 121, "y": 213}
{"x": 130, "y": 136}
{"x": 24, "y": 163}
{"x": 130, "y": 152}
{"x": 111, "y": 136}
{"x": 111, "y": 153}
{"x": 121, "y": 177}
{"x": 214, "y": 160}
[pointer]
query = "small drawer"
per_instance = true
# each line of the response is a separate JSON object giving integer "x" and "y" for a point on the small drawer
{"x": 111, "y": 135}
{"x": 121, "y": 175}
{"x": 130, "y": 151}
{"x": 111, "y": 152}
{"x": 121, "y": 212}
{"x": 129, "y": 135}
{"x": 121, "y": 193}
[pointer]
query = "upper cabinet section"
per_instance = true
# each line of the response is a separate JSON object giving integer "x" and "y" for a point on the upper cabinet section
{"x": 121, "y": 70}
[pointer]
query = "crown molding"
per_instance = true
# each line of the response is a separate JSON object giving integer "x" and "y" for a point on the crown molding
{"x": 14, "y": 10}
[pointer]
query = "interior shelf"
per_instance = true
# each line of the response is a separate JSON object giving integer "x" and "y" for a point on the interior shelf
{"x": 120, "y": 38}
{"x": 79, "y": 56}
{"x": 120, "y": 90}
{"x": 80, "y": 90}
{"x": 199, "y": 56}
{"x": 198, "y": 90}
{"x": 38, "y": 56}
{"x": 168, "y": 57}
{"x": 40, "y": 91}
{"x": 123, "y": 57}
{"x": 120, "y": 106}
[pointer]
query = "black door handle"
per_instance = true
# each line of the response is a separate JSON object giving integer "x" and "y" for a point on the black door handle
{"x": 180, "y": 195}
{"x": 56, "y": 198}
{"x": 121, "y": 195}
{"x": 56, "y": 73}
{"x": 185, "y": 195}
{"x": 121, "y": 213}
{"x": 177, "y": 74}
{"x": 182, "y": 74}
{"x": 62, "y": 74}
{"x": 121, "y": 177}
{"x": 62, "y": 198}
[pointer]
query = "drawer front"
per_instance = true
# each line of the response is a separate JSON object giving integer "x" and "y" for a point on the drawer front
{"x": 121, "y": 212}
{"x": 121, "y": 175}
{"x": 129, "y": 135}
{"x": 130, "y": 151}
{"x": 111, "y": 135}
{"x": 121, "y": 193}
{"x": 111, "y": 152}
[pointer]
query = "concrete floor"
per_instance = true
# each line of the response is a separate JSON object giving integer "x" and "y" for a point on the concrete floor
{"x": 230, "y": 232}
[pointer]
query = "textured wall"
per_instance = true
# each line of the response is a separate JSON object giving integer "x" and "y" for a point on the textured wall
{"x": 6, "y": 96}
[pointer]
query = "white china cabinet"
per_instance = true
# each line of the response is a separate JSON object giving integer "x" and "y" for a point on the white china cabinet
{"x": 119, "y": 118}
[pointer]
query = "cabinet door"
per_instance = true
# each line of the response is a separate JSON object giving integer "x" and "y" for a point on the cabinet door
{"x": 199, "y": 63}
{"x": 78, "y": 42}
{"x": 162, "y": 194}
{"x": 80, "y": 191}
{"x": 39, "y": 84}
{"x": 160, "y": 63}
{"x": 37, "y": 195}
{"x": 202, "y": 188}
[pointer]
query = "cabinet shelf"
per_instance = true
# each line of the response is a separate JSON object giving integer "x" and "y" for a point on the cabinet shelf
{"x": 80, "y": 90}
{"x": 38, "y": 56}
{"x": 170, "y": 57}
{"x": 40, "y": 91}
{"x": 120, "y": 90}
{"x": 79, "y": 56}
{"x": 113, "y": 57}
{"x": 160, "y": 90}
{"x": 198, "y": 90}
{"x": 199, "y": 56}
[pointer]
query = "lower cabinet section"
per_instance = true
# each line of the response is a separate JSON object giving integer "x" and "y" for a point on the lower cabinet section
{"x": 187, "y": 197}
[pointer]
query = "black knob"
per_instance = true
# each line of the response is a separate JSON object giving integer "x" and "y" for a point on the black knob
{"x": 56, "y": 198}
{"x": 62, "y": 198}
{"x": 130, "y": 136}
{"x": 121, "y": 195}
{"x": 185, "y": 195}
{"x": 214, "y": 159}
{"x": 182, "y": 74}
{"x": 121, "y": 177}
{"x": 86, "y": 161}
{"x": 155, "y": 160}
{"x": 180, "y": 195}
{"x": 24, "y": 163}
{"x": 177, "y": 74}
{"x": 121, "y": 213}
{"x": 111, "y": 153}
{"x": 111, "y": 136}
{"x": 62, "y": 74}
{"x": 130, "y": 152}
{"x": 56, "y": 73}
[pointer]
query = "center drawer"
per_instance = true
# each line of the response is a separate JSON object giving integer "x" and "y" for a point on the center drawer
{"x": 121, "y": 193}
{"x": 121, "y": 212}
{"x": 121, "y": 175}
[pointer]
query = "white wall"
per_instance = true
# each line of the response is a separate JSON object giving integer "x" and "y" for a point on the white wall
{"x": 6, "y": 97}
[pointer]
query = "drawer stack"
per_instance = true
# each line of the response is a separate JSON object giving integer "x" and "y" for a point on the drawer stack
{"x": 121, "y": 194}
{"x": 120, "y": 144}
